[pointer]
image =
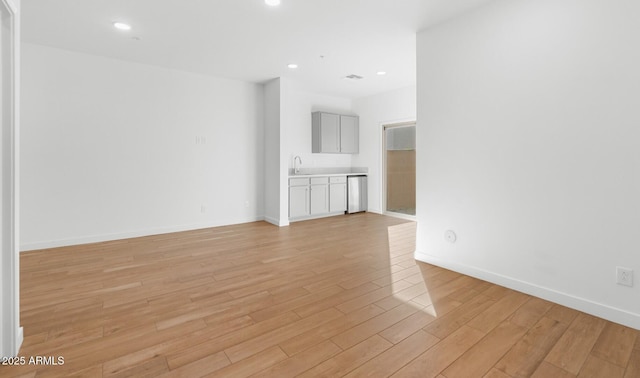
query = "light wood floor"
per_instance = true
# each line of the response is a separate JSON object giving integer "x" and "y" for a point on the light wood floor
{"x": 340, "y": 296}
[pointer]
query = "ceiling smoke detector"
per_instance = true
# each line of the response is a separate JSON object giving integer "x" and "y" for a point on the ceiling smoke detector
{"x": 353, "y": 77}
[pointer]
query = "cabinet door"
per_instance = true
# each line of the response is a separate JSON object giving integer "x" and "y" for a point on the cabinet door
{"x": 349, "y": 136}
{"x": 298, "y": 201}
{"x": 319, "y": 199}
{"x": 326, "y": 133}
{"x": 337, "y": 197}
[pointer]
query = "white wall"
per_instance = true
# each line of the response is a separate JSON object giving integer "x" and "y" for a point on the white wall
{"x": 528, "y": 145}
{"x": 375, "y": 112}
{"x": 109, "y": 149}
{"x": 272, "y": 169}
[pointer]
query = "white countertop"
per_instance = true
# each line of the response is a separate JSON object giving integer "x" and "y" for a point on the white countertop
{"x": 327, "y": 175}
{"x": 327, "y": 172}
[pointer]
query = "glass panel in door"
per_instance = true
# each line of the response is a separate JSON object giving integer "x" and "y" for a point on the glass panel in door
{"x": 400, "y": 151}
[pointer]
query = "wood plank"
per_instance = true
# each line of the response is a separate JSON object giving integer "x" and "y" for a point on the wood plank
{"x": 372, "y": 326}
{"x": 615, "y": 344}
{"x": 449, "y": 323}
{"x": 372, "y": 297}
{"x": 531, "y": 312}
{"x": 481, "y": 357}
{"x": 597, "y": 367}
{"x": 437, "y": 358}
{"x": 495, "y": 373}
{"x": 335, "y": 300}
{"x": 546, "y": 370}
{"x": 200, "y": 367}
{"x": 293, "y": 304}
{"x": 325, "y": 331}
{"x": 499, "y": 311}
{"x": 407, "y": 326}
{"x": 573, "y": 348}
{"x": 251, "y": 365}
{"x": 301, "y": 362}
{"x": 350, "y": 359}
{"x": 257, "y": 344}
{"x": 523, "y": 359}
{"x": 394, "y": 358}
{"x": 211, "y": 344}
{"x": 148, "y": 369}
{"x": 562, "y": 314}
{"x": 633, "y": 367}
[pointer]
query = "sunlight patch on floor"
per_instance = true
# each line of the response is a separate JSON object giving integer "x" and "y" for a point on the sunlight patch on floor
{"x": 408, "y": 285}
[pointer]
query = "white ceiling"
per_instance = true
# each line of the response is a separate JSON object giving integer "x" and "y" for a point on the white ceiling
{"x": 250, "y": 41}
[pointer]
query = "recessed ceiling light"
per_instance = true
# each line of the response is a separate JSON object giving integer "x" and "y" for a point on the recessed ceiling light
{"x": 292, "y": 65}
{"x": 381, "y": 73}
{"x": 272, "y": 3}
{"x": 121, "y": 26}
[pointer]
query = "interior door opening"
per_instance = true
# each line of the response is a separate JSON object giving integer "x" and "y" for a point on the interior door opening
{"x": 400, "y": 169}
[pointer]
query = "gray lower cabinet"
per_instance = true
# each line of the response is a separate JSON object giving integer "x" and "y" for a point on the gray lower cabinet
{"x": 298, "y": 201}
{"x": 337, "y": 194}
{"x": 319, "y": 195}
{"x": 311, "y": 197}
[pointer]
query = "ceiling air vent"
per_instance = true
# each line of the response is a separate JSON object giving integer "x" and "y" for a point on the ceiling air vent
{"x": 353, "y": 77}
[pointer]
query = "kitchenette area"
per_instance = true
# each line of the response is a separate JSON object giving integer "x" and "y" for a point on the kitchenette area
{"x": 338, "y": 143}
{"x": 316, "y": 192}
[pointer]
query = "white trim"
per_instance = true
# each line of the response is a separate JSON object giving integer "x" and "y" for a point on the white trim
{"x": 11, "y": 334}
{"x": 318, "y": 216}
{"x": 401, "y": 216}
{"x": 275, "y": 222}
{"x": 613, "y": 314}
{"x": 19, "y": 337}
{"x": 9, "y": 6}
{"x": 127, "y": 235}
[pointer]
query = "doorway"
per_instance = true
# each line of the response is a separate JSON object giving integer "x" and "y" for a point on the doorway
{"x": 399, "y": 157}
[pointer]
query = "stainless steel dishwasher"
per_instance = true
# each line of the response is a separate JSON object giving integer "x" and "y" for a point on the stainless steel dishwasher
{"x": 356, "y": 193}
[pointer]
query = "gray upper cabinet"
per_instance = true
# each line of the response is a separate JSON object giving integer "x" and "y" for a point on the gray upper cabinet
{"x": 349, "y": 136}
{"x": 325, "y": 131}
{"x": 334, "y": 133}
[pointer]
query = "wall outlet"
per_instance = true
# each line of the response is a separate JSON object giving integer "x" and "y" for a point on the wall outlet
{"x": 246, "y": 204}
{"x": 624, "y": 276}
{"x": 203, "y": 208}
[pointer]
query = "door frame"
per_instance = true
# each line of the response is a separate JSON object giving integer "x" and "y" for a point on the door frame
{"x": 383, "y": 194}
{"x": 11, "y": 334}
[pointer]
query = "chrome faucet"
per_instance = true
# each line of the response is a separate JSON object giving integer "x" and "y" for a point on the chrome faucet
{"x": 296, "y": 168}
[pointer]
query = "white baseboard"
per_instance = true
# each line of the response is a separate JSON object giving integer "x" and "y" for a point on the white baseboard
{"x": 12, "y": 350}
{"x": 275, "y": 221}
{"x": 19, "y": 339}
{"x": 613, "y": 314}
{"x": 126, "y": 235}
